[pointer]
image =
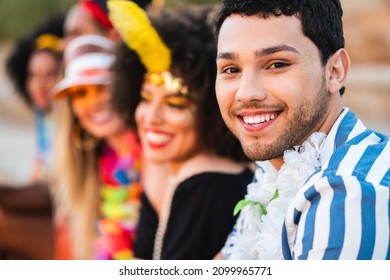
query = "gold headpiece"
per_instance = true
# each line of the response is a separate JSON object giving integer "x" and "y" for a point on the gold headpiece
{"x": 48, "y": 41}
{"x": 166, "y": 79}
{"x": 137, "y": 32}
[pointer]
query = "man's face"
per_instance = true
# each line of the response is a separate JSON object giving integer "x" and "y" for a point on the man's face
{"x": 271, "y": 85}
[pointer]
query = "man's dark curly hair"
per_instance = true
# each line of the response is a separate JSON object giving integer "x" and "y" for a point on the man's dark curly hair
{"x": 17, "y": 62}
{"x": 188, "y": 33}
{"x": 321, "y": 19}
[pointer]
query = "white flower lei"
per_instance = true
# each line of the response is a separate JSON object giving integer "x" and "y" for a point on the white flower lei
{"x": 257, "y": 233}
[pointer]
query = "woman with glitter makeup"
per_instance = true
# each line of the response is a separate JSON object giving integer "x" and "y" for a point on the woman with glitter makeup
{"x": 164, "y": 85}
{"x": 98, "y": 160}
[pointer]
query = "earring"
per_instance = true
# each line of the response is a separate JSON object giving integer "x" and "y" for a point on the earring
{"x": 82, "y": 139}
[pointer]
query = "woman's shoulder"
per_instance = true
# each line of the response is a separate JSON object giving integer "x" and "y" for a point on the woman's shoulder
{"x": 216, "y": 184}
{"x": 206, "y": 165}
{"x": 228, "y": 178}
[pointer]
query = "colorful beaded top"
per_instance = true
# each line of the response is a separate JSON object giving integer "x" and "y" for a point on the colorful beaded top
{"x": 120, "y": 202}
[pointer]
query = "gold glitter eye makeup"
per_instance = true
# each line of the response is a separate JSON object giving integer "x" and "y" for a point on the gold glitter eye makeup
{"x": 178, "y": 101}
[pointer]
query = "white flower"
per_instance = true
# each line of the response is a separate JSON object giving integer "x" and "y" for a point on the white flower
{"x": 258, "y": 194}
{"x": 263, "y": 189}
{"x": 241, "y": 243}
{"x": 271, "y": 227}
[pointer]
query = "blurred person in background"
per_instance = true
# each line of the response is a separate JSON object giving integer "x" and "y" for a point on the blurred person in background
{"x": 91, "y": 17}
{"x": 34, "y": 67}
{"x": 88, "y": 17}
{"x": 163, "y": 84}
{"x": 98, "y": 160}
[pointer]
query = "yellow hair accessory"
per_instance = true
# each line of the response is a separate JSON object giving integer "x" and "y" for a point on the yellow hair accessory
{"x": 136, "y": 30}
{"x": 48, "y": 41}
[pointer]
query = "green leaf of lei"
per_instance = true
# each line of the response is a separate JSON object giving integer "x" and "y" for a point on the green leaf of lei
{"x": 276, "y": 195}
{"x": 241, "y": 204}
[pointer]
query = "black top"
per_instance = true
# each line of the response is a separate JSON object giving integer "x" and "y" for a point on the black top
{"x": 200, "y": 220}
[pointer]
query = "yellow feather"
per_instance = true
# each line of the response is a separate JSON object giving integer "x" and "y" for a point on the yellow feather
{"x": 134, "y": 27}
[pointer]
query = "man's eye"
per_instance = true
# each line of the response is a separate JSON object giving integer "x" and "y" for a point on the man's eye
{"x": 277, "y": 65}
{"x": 230, "y": 70}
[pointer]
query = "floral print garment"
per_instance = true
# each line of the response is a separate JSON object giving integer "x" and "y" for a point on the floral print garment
{"x": 120, "y": 202}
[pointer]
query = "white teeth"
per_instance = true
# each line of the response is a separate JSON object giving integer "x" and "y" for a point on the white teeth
{"x": 157, "y": 138}
{"x": 253, "y": 120}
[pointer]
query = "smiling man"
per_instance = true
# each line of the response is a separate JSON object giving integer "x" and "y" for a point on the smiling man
{"x": 322, "y": 183}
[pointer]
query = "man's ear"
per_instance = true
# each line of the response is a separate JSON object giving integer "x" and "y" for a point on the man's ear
{"x": 337, "y": 66}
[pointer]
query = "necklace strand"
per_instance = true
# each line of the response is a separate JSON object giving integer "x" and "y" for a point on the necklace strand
{"x": 164, "y": 217}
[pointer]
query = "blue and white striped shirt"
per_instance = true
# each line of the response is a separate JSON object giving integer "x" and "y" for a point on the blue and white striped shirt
{"x": 343, "y": 210}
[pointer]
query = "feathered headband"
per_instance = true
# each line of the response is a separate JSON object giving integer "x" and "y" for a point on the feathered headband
{"x": 137, "y": 32}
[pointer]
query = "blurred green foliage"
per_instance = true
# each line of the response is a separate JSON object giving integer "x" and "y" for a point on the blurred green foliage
{"x": 17, "y": 17}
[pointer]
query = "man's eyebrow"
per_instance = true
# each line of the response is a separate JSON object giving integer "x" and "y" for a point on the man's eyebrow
{"x": 227, "y": 55}
{"x": 258, "y": 53}
{"x": 275, "y": 49}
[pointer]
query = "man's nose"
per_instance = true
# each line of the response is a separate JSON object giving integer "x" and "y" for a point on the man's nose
{"x": 250, "y": 88}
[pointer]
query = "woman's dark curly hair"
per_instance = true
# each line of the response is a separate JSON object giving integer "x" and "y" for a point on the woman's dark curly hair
{"x": 17, "y": 62}
{"x": 188, "y": 33}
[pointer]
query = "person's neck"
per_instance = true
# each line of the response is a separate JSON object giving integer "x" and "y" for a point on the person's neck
{"x": 183, "y": 169}
{"x": 277, "y": 162}
{"x": 203, "y": 162}
{"x": 43, "y": 111}
{"x": 119, "y": 143}
{"x": 334, "y": 112}
{"x": 176, "y": 172}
